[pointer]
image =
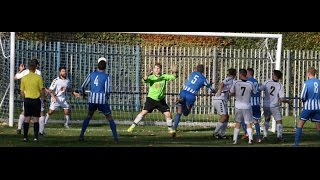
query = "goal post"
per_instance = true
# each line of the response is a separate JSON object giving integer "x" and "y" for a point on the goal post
{"x": 11, "y": 93}
{"x": 278, "y": 37}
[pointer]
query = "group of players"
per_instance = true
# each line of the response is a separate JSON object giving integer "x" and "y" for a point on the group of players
{"x": 246, "y": 90}
{"x": 247, "y": 93}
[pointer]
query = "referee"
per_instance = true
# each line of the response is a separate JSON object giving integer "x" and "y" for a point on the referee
{"x": 31, "y": 86}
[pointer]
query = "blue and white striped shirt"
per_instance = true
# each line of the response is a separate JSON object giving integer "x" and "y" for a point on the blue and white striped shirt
{"x": 255, "y": 98}
{"x": 195, "y": 81}
{"x": 99, "y": 87}
{"x": 310, "y": 94}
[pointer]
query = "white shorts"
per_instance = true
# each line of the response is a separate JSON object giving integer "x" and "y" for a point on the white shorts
{"x": 274, "y": 111}
{"x": 61, "y": 102}
{"x": 243, "y": 114}
{"x": 220, "y": 106}
{"x": 42, "y": 106}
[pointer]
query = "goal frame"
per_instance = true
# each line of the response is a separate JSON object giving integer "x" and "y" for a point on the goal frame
{"x": 226, "y": 34}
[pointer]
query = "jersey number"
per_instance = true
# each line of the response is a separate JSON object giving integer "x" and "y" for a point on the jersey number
{"x": 96, "y": 81}
{"x": 195, "y": 78}
{"x": 272, "y": 89}
{"x": 243, "y": 90}
{"x": 315, "y": 87}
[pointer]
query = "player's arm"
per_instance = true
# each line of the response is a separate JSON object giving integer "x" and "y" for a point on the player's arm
{"x": 220, "y": 86}
{"x": 20, "y": 73}
{"x": 233, "y": 90}
{"x": 210, "y": 86}
{"x": 148, "y": 73}
{"x": 303, "y": 95}
{"x": 175, "y": 71}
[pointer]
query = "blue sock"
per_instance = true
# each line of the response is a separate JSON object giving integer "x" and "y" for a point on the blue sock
{"x": 257, "y": 126}
{"x": 244, "y": 126}
{"x": 297, "y": 136}
{"x": 176, "y": 121}
{"x": 113, "y": 128}
{"x": 84, "y": 126}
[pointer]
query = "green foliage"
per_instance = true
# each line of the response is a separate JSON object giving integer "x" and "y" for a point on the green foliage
{"x": 291, "y": 40}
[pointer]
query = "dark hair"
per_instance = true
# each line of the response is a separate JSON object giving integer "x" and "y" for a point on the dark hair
{"x": 200, "y": 68}
{"x": 102, "y": 65}
{"x": 277, "y": 73}
{"x": 243, "y": 72}
{"x": 159, "y": 65}
{"x": 62, "y": 67}
{"x": 232, "y": 72}
{"x": 312, "y": 71}
{"x": 250, "y": 70}
{"x": 33, "y": 64}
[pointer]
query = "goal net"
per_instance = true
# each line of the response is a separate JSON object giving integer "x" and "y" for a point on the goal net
{"x": 130, "y": 54}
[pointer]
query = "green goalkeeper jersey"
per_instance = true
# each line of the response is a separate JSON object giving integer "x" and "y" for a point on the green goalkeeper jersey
{"x": 158, "y": 85}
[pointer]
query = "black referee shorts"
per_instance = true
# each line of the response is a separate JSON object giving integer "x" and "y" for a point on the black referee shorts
{"x": 32, "y": 107}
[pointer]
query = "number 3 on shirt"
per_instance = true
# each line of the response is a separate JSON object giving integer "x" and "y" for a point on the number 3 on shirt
{"x": 96, "y": 81}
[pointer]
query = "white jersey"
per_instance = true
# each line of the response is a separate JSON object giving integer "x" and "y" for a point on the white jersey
{"x": 243, "y": 90}
{"x": 59, "y": 87}
{"x": 273, "y": 91}
{"x": 25, "y": 72}
{"x": 227, "y": 83}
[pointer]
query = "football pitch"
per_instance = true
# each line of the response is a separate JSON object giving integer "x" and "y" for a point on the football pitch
{"x": 99, "y": 135}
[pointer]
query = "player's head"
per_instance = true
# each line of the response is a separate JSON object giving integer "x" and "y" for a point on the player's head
{"x": 242, "y": 74}
{"x": 102, "y": 59}
{"x": 102, "y": 65}
{"x": 311, "y": 72}
{"x": 250, "y": 72}
{"x": 200, "y": 68}
{"x": 157, "y": 68}
{"x": 34, "y": 63}
{"x": 276, "y": 75}
{"x": 232, "y": 72}
{"x": 63, "y": 72}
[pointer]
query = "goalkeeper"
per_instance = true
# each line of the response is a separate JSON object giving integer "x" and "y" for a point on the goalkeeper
{"x": 156, "y": 98}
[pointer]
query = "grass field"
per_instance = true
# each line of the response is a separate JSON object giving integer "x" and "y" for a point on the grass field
{"x": 148, "y": 136}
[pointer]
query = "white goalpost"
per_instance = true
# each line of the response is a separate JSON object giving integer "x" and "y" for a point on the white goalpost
{"x": 278, "y": 37}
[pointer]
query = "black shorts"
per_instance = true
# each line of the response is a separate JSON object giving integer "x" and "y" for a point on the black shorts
{"x": 151, "y": 104}
{"x": 32, "y": 107}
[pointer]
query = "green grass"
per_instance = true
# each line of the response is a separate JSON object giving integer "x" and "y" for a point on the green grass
{"x": 148, "y": 136}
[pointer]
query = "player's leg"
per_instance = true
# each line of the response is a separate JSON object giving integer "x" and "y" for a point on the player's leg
{"x": 180, "y": 106}
{"x": 42, "y": 119}
{"x": 52, "y": 108}
{"x": 278, "y": 117}
{"x": 91, "y": 109}
{"x": 238, "y": 118}
{"x": 244, "y": 127}
{"x": 36, "y": 112}
{"x": 256, "y": 120}
{"x": 67, "y": 117}
{"x": 149, "y": 106}
{"x": 105, "y": 108}
{"x": 21, "y": 120}
{"x": 267, "y": 115}
{"x": 247, "y": 116}
{"x": 163, "y": 107}
{"x": 221, "y": 107}
{"x": 304, "y": 116}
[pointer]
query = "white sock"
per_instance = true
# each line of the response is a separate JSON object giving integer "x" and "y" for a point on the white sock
{"x": 218, "y": 127}
{"x": 279, "y": 130}
{"x": 169, "y": 122}
{"x": 249, "y": 131}
{"x": 41, "y": 124}
{"x": 235, "y": 134}
{"x": 47, "y": 117}
{"x": 21, "y": 120}
{"x": 266, "y": 127}
{"x": 67, "y": 120}
{"x": 223, "y": 128}
{"x": 137, "y": 120}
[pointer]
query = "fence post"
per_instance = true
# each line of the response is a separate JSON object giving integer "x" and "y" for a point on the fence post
{"x": 138, "y": 79}
{"x": 288, "y": 80}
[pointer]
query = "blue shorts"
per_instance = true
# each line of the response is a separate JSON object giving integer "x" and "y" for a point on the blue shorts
{"x": 256, "y": 112}
{"x": 188, "y": 100}
{"x": 104, "y": 108}
{"x": 313, "y": 115}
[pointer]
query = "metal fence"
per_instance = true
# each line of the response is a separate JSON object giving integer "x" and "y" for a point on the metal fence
{"x": 126, "y": 65}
